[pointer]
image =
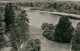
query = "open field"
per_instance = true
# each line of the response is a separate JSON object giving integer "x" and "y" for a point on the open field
{"x": 47, "y": 45}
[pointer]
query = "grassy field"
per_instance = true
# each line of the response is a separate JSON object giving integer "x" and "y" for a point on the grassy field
{"x": 47, "y": 45}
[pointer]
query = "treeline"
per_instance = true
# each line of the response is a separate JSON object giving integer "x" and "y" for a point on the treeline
{"x": 60, "y": 6}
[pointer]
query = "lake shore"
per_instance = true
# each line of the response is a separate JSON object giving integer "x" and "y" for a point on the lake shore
{"x": 71, "y": 16}
{"x": 56, "y": 13}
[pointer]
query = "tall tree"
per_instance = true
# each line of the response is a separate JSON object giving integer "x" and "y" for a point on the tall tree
{"x": 20, "y": 32}
{"x": 9, "y": 14}
{"x": 64, "y": 30}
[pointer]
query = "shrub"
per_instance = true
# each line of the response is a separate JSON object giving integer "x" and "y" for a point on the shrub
{"x": 47, "y": 26}
{"x": 48, "y": 30}
{"x": 33, "y": 45}
{"x": 44, "y": 26}
{"x": 49, "y": 34}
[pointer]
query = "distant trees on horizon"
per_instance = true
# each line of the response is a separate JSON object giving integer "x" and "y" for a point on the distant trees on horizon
{"x": 60, "y": 6}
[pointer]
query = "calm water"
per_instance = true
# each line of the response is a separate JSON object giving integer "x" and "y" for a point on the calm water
{"x": 37, "y": 18}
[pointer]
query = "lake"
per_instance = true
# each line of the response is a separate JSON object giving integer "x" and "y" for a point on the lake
{"x": 37, "y": 19}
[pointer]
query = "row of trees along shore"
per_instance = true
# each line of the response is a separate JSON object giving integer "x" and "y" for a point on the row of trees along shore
{"x": 59, "y": 6}
{"x": 14, "y": 24}
{"x": 63, "y": 32}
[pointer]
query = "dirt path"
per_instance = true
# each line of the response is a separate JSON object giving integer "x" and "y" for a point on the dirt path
{"x": 47, "y": 45}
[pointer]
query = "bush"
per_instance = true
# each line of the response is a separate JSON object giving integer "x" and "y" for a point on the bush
{"x": 48, "y": 30}
{"x": 44, "y": 26}
{"x": 49, "y": 34}
{"x": 33, "y": 45}
{"x": 47, "y": 26}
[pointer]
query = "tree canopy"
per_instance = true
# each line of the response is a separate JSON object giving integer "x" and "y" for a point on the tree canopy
{"x": 63, "y": 30}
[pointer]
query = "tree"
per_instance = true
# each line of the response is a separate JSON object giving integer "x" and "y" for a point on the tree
{"x": 9, "y": 14}
{"x": 63, "y": 30}
{"x": 20, "y": 30}
{"x": 75, "y": 42}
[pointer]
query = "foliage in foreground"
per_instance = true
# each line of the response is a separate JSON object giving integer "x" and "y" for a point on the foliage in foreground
{"x": 33, "y": 45}
{"x": 63, "y": 30}
{"x": 20, "y": 30}
{"x": 2, "y": 40}
{"x": 17, "y": 24}
{"x": 2, "y": 32}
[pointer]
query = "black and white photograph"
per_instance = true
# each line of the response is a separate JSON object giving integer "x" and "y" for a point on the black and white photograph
{"x": 39, "y": 25}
